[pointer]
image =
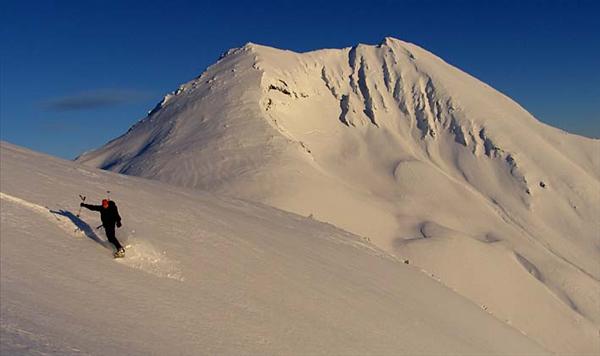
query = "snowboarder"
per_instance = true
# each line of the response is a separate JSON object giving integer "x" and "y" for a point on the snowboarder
{"x": 109, "y": 214}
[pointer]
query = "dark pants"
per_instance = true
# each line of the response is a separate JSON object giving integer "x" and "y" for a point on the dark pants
{"x": 110, "y": 234}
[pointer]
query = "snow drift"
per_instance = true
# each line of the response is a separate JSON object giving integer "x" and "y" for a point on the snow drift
{"x": 392, "y": 143}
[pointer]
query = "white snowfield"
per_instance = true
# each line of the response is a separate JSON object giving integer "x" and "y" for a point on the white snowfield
{"x": 391, "y": 143}
{"x": 208, "y": 275}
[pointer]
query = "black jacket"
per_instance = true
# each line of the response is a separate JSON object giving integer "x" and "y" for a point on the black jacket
{"x": 109, "y": 216}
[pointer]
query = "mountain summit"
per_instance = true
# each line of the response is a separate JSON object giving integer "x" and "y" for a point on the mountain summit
{"x": 392, "y": 143}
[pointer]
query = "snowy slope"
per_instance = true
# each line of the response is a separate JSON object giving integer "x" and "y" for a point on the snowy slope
{"x": 392, "y": 143}
{"x": 209, "y": 275}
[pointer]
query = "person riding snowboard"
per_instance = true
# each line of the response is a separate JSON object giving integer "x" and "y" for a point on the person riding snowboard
{"x": 109, "y": 214}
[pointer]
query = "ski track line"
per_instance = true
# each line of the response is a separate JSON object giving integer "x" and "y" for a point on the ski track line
{"x": 63, "y": 222}
{"x": 142, "y": 256}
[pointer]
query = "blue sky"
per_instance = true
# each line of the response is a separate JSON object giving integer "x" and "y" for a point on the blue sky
{"x": 75, "y": 74}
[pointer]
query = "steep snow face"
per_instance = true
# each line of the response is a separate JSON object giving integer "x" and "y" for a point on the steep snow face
{"x": 204, "y": 126}
{"x": 392, "y": 143}
{"x": 209, "y": 275}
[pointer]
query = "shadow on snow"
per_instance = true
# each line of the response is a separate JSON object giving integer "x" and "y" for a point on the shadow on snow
{"x": 82, "y": 225}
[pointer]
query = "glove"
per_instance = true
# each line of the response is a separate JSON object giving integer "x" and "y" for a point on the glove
{"x": 118, "y": 224}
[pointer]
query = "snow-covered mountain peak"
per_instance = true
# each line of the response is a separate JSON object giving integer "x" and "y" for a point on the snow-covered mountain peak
{"x": 387, "y": 141}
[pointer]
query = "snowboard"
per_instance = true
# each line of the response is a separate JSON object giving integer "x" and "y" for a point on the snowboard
{"x": 121, "y": 254}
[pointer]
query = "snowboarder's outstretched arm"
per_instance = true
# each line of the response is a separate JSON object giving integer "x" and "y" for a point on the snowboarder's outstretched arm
{"x": 92, "y": 207}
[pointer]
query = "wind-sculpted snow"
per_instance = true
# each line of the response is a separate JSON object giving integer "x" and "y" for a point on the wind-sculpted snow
{"x": 380, "y": 140}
